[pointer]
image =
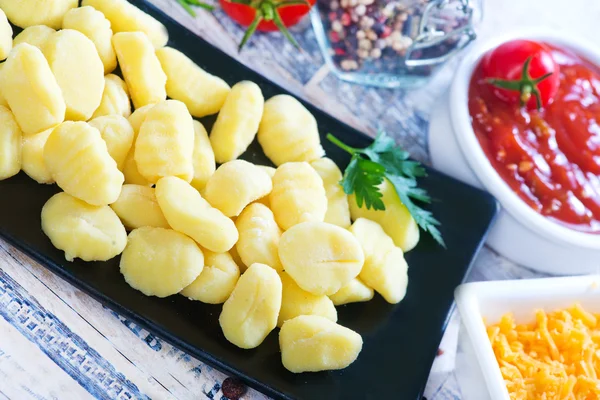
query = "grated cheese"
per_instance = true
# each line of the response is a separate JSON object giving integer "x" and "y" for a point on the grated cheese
{"x": 557, "y": 357}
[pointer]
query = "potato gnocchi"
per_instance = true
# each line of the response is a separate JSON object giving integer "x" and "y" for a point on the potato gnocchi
{"x": 117, "y": 132}
{"x": 251, "y": 311}
{"x": 33, "y": 157}
{"x": 35, "y": 35}
{"x": 81, "y": 230}
{"x": 203, "y": 94}
{"x": 338, "y": 210}
{"x": 138, "y": 207}
{"x": 31, "y": 90}
{"x": 115, "y": 98}
{"x": 25, "y": 13}
{"x": 79, "y": 162}
{"x": 10, "y": 144}
{"x": 258, "y": 236}
{"x": 93, "y": 24}
{"x": 187, "y": 212}
{"x": 354, "y": 291}
{"x": 160, "y": 262}
{"x": 6, "y": 32}
{"x": 237, "y": 122}
{"x": 203, "y": 157}
{"x": 217, "y": 280}
{"x": 236, "y": 184}
{"x": 298, "y": 195}
{"x": 288, "y": 131}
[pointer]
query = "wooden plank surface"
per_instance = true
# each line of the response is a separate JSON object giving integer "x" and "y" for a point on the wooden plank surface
{"x": 58, "y": 343}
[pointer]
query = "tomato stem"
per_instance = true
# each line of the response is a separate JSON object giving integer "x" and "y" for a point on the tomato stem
{"x": 526, "y": 85}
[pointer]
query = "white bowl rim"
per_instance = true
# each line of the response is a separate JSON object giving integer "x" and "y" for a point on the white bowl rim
{"x": 474, "y": 154}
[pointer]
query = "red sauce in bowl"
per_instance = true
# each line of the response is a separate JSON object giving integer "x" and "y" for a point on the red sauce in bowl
{"x": 551, "y": 157}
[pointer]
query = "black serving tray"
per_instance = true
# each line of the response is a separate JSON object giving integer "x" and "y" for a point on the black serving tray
{"x": 400, "y": 342}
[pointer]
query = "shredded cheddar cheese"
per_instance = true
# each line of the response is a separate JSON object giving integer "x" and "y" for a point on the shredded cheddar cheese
{"x": 555, "y": 358}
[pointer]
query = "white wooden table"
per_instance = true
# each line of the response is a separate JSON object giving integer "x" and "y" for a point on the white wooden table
{"x": 58, "y": 343}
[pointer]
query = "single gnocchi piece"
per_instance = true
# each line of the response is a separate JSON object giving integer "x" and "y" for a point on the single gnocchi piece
{"x": 217, "y": 280}
{"x": 125, "y": 17}
{"x": 251, "y": 311}
{"x": 385, "y": 268}
{"x": 31, "y": 90}
{"x": 118, "y": 135}
{"x": 354, "y": 291}
{"x": 165, "y": 142}
{"x": 259, "y": 236}
{"x": 140, "y": 67}
{"x": 288, "y": 131}
{"x": 137, "y": 118}
{"x": 91, "y": 233}
{"x": 295, "y": 302}
{"x": 137, "y": 207}
{"x": 79, "y": 72}
{"x": 298, "y": 195}
{"x": 35, "y": 35}
{"x": 33, "y": 157}
{"x": 269, "y": 170}
{"x": 203, "y": 157}
{"x": 79, "y": 162}
{"x": 338, "y": 210}
{"x": 160, "y": 262}
{"x": 115, "y": 98}
{"x": 236, "y": 184}
{"x": 11, "y": 138}
{"x": 320, "y": 257}
{"x": 6, "y": 32}
{"x": 26, "y": 13}
{"x": 311, "y": 343}
{"x": 3, "y": 101}
{"x": 395, "y": 220}
{"x": 187, "y": 212}
{"x": 237, "y": 122}
{"x": 202, "y": 93}
{"x": 130, "y": 169}
{"x": 238, "y": 260}
{"x": 93, "y": 24}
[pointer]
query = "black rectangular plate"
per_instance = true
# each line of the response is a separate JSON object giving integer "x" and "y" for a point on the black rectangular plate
{"x": 400, "y": 342}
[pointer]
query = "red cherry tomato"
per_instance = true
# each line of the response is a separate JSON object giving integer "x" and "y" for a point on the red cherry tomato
{"x": 504, "y": 67}
{"x": 244, "y": 14}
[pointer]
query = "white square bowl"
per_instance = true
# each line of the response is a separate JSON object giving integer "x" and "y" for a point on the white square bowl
{"x": 477, "y": 370}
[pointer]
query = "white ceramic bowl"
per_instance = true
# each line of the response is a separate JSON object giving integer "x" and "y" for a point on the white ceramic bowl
{"x": 520, "y": 233}
{"x": 477, "y": 370}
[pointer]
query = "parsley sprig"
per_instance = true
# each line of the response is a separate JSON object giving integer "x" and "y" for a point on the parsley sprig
{"x": 383, "y": 159}
{"x": 189, "y": 4}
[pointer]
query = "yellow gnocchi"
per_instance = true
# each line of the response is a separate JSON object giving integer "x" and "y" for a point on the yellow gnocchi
{"x": 311, "y": 343}
{"x": 115, "y": 98}
{"x": 118, "y": 135}
{"x": 3, "y": 101}
{"x": 354, "y": 291}
{"x": 165, "y": 142}
{"x": 10, "y": 144}
{"x": 288, "y": 131}
{"x": 203, "y": 157}
{"x": 236, "y": 184}
{"x": 31, "y": 90}
{"x": 33, "y": 157}
{"x": 25, "y": 13}
{"x": 6, "y": 41}
{"x": 251, "y": 312}
{"x": 187, "y": 212}
{"x": 125, "y": 17}
{"x": 237, "y": 122}
{"x": 93, "y": 24}
{"x": 137, "y": 118}
{"x": 258, "y": 236}
{"x": 130, "y": 169}
{"x": 217, "y": 280}
{"x": 140, "y": 67}
{"x": 320, "y": 257}
{"x": 91, "y": 233}
{"x": 137, "y": 207}
{"x": 385, "y": 268}
{"x": 79, "y": 72}
{"x": 35, "y": 35}
{"x": 79, "y": 162}
{"x": 338, "y": 210}
{"x": 395, "y": 220}
{"x": 202, "y": 93}
{"x": 160, "y": 262}
{"x": 298, "y": 195}
{"x": 295, "y": 302}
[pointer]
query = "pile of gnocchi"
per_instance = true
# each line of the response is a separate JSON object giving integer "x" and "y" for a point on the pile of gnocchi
{"x": 276, "y": 246}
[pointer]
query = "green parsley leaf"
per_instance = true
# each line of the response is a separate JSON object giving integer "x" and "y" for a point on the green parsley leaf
{"x": 383, "y": 159}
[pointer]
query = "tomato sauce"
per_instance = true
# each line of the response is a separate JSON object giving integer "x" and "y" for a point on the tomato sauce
{"x": 551, "y": 157}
